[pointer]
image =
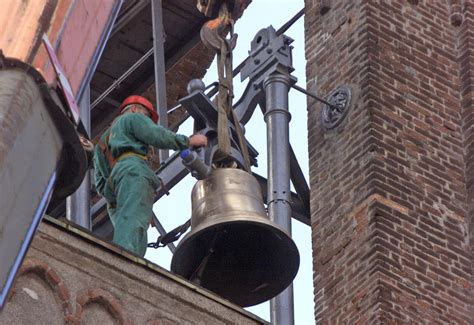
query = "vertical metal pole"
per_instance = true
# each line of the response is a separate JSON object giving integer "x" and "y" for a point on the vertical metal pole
{"x": 160, "y": 73}
{"x": 78, "y": 205}
{"x": 277, "y": 118}
{"x": 104, "y": 37}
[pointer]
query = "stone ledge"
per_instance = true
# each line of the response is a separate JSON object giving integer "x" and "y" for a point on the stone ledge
{"x": 94, "y": 279}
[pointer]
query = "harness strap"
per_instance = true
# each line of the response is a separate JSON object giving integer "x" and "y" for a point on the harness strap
{"x": 104, "y": 147}
{"x": 131, "y": 154}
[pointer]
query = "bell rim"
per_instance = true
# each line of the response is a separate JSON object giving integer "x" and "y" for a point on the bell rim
{"x": 185, "y": 244}
{"x": 272, "y": 271}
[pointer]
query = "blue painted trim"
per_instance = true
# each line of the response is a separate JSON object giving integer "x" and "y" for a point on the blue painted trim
{"x": 28, "y": 237}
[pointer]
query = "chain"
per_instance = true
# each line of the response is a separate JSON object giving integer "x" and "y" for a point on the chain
{"x": 171, "y": 236}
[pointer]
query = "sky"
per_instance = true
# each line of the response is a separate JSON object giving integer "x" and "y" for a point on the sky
{"x": 175, "y": 209}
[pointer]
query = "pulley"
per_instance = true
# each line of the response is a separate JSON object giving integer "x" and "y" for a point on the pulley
{"x": 233, "y": 248}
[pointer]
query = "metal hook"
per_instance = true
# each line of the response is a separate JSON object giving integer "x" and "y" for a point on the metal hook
{"x": 213, "y": 31}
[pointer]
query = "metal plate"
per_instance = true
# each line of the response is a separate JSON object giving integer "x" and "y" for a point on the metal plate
{"x": 332, "y": 117}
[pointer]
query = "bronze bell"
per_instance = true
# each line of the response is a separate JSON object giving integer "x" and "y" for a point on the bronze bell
{"x": 233, "y": 248}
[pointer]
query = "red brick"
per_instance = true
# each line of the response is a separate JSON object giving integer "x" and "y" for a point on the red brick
{"x": 102, "y": 297}
{"x": 413, "y": 67}
{"x": 52, "y": 277}
{"x": 63, "y": 292}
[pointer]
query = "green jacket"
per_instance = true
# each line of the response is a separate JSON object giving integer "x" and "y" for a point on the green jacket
{"x": 133, "y": 132}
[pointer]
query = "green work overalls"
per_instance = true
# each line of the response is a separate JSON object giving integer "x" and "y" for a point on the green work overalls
{"x": 129, "y": 184}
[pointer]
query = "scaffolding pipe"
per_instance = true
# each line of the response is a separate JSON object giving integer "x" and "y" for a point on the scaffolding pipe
{"x": 78, "y": 204}
{"x": 160, "y": 69}
{"x": 120, "y": 79}
{"x": 277, "y": 117}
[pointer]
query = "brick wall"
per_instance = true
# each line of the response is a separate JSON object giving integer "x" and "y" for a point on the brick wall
{"x": 466, "y": 60}
{"x": 392, "y": 185}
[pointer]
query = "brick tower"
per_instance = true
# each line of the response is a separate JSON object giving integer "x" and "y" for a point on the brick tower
{"x": 393, "y": 184}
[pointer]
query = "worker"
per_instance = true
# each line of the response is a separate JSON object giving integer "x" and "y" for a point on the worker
{"x": 122, "y": 175}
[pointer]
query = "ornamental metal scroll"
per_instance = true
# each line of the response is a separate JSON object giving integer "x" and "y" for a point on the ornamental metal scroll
{"x": 333, "y": 116}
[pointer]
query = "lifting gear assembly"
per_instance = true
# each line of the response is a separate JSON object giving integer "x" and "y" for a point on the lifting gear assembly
{"x": 233, "y": 237}
{"x": 237, "y": 247}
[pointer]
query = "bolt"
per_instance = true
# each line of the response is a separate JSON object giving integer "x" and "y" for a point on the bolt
{"x": 256, "y": 61}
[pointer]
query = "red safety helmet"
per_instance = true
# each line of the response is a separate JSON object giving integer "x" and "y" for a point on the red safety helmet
{"x": 135, "y": 99}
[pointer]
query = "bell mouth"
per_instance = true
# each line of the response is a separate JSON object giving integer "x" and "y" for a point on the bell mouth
{"x": 244, "y": 261}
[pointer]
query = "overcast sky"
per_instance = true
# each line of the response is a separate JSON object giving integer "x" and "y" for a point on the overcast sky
{"x": 175, "y": 209}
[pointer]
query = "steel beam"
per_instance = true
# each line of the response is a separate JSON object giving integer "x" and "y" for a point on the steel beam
{"x": 104, "y": 37}
{"x": 160, "y": 69}
{"x": 171, "y": 59}
{"x": 162, "y": 232}
{"x": 170, "y": 174}
{"x": 299, "y": 181}
{"x": 78, "y": 204}
{"x": 300, "y": 201}
{"x": 277, "y": 117}
{"x": 127, "y": 17}
{"x": 120, "y": 79}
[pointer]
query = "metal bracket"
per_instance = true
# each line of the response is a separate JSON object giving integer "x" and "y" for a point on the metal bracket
{"x": 332, "y": 116}
{"x": 204, "y": 112}
{"x": 268, "y": 52}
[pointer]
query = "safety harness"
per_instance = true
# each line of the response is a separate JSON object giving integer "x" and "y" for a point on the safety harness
{"x": 104, "y": 147}
{"x": 111, "y": 160}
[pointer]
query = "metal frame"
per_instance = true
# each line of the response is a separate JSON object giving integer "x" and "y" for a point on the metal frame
{"x": 120, "y": 79}
{"x": 173, "y": 170}
{"x": 126, "y": 18}
{"x": 78, "y": 204}
{"x": 160, "y": 68}
{"x": 106, "y": 33}
{"x": 269, "y": 68}
{"x": 277, "y": 118}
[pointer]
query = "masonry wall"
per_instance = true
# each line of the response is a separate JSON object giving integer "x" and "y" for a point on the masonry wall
{"x": 74, "y": 29}
{"x": 392, "y": 186}
{"x": 72, "y": 277}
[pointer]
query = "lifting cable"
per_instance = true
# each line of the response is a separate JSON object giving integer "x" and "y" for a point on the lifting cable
{"x": 280, "y": 31}
{"x": 226, "y": 96}
{"x": 225, "y": 93}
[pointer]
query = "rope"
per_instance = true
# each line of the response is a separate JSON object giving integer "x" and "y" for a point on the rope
{"x": 225, "y": 96}
{"x": 224, "y": 99}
